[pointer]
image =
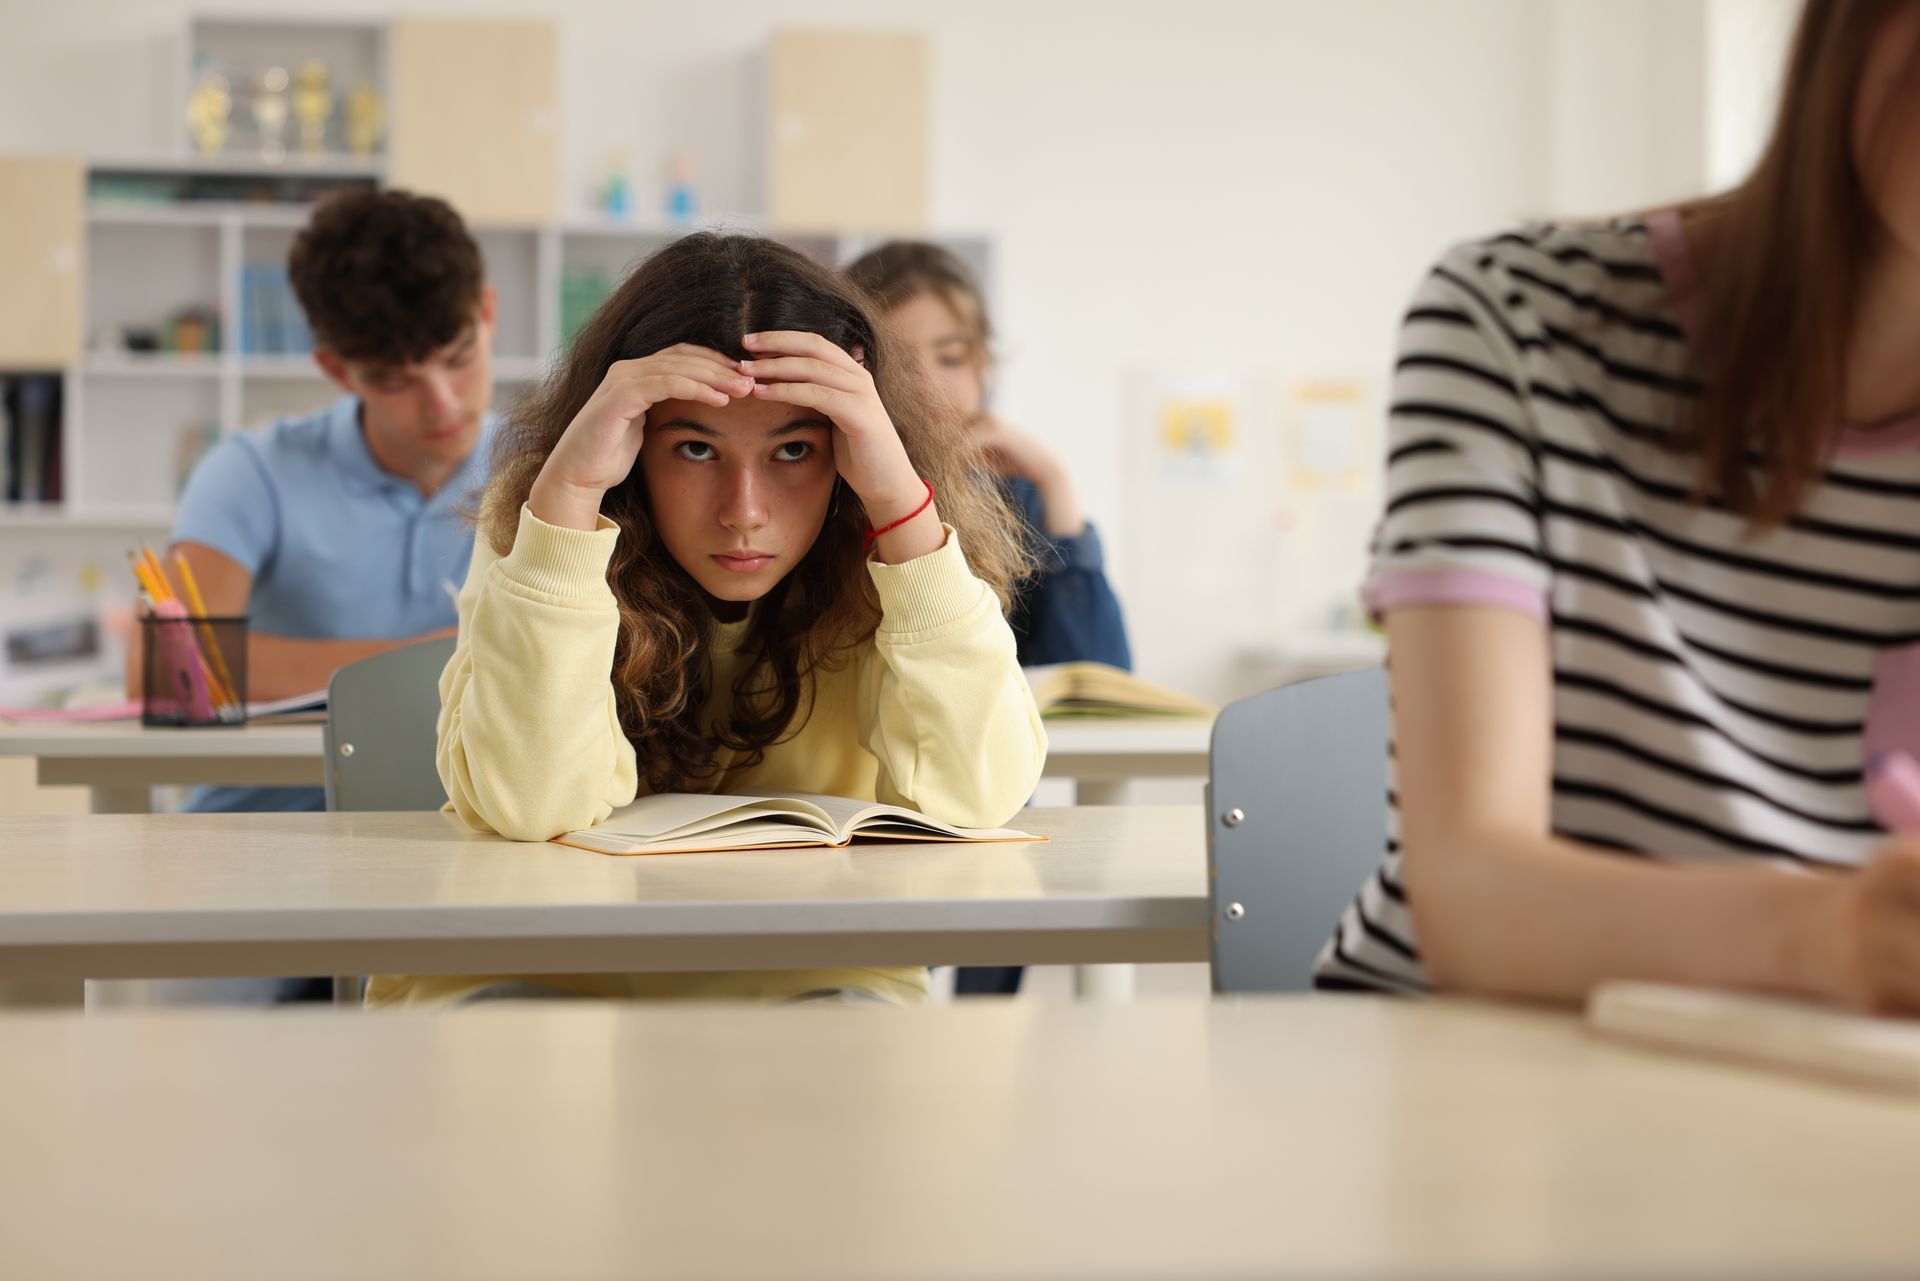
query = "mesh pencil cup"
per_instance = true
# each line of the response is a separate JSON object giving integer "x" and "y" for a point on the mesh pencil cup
{"x": 193, "y": 670}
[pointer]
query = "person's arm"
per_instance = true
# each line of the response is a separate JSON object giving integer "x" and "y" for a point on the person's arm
{"x": 1503, "y": 907}
{"x": 1068, "y": 612}
{"x": 277, "y": 666}
{"x": 530, "y": 743}
{"x": 942, "y": 701}
{"x": 1017, "y": 453}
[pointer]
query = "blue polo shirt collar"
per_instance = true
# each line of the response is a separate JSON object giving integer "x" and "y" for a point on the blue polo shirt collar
{"x": 348, "y": 446}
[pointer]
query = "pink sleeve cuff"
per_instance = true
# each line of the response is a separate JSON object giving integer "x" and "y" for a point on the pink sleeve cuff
{"x": 1401, "y": 588}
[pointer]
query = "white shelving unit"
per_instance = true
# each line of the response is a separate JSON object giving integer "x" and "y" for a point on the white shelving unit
{"x": 133, "y": 418}
{"x": 133, "y": 421}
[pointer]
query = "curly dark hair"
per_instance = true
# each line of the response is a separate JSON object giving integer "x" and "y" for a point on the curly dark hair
{"x": 710, "y": 290}
{"x": 386, "y": 276}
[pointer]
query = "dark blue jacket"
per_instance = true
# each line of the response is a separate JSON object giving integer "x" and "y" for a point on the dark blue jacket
{"x": 1068, "y": 613}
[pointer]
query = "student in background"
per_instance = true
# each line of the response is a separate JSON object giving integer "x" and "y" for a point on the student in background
{"x": 1648, "y": 569}
{"x": 338, "y": 532}
{"x": 1069, "y": 612}
{"x": 732, "y": 546}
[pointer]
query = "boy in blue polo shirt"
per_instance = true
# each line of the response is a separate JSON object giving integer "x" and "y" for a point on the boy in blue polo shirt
{"x": 339, "y": 533}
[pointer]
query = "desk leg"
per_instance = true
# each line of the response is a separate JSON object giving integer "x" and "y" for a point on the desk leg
{"x": 118, "y": 994}
{"x": 121, "y": 798}
{"x": 118, "y": 798}
{"x": 42, "y": 994}
{"x": 1110, "y": 984}
{"x": 1101, "y": 791}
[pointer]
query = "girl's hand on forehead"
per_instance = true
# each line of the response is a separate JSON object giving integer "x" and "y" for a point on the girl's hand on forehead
{"x": 600, "y": 445}
{"x": 807, "y": 370}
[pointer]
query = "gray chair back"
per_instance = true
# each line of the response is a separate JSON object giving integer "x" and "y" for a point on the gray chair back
{"x": 382, "y": 714}
{"x": 1296, "y": 821}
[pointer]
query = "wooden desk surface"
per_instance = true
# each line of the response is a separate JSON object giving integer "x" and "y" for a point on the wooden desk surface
{"x": 128, "y": 756}
{"x": 1291, "y": 1137}
{"x": 138, "y": 896}
{"x": 123, "y": 740}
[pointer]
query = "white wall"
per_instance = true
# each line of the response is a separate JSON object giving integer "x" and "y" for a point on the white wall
{"x": 1626, "y": 103}
{"x": 1747, "y": 50}
{"x": 1242, "y": 187}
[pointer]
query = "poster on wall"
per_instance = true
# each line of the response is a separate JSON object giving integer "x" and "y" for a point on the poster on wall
{"x": 1198, "y": 430}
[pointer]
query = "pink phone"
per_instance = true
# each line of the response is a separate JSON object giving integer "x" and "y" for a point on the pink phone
{"x": 1893, "y": 791}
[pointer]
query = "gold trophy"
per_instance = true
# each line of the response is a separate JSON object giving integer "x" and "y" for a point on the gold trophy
{"x": 270, "y": 113}
{"x": 210, "y": 113}
{"x": 312, "y": 105}
{"x": 366, "y": 118}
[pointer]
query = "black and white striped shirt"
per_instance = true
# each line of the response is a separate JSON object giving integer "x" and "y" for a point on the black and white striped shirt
{"x": 1714, "y": 691}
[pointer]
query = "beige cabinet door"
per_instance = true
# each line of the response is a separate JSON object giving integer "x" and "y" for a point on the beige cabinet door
{"x": 42, "y": 224}
{"x": 848, "y": 130}
{"x": 476, "y": 117}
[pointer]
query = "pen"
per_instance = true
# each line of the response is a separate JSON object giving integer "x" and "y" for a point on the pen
{"x": 1893, "y": 791}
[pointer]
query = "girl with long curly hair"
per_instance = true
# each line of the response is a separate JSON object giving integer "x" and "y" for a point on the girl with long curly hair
{"x": 733, "y": 546}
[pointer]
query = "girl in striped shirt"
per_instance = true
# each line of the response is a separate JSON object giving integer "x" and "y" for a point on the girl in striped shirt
{"x": 1650, "y": 571}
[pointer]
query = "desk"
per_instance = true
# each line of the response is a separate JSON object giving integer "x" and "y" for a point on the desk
{"x": 1319, "y": 1136}
{"x": 260, "y": 895}
{"x": 122, "y": 762}
{"x": 1102, "y": 757}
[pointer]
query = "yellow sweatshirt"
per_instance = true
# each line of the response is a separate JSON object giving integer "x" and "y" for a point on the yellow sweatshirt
{"x": 931, "y": 713}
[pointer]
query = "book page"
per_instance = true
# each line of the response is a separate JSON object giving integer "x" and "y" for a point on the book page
{"x": 682, "y": 814}
{"x": 896, "y": 822}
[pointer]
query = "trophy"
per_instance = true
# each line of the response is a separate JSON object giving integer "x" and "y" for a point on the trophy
{"x": 366, "y": 117}
{"x": 270, "y": 113}
{"x": 312, "y": 104}
{"x": 209, "y": 113}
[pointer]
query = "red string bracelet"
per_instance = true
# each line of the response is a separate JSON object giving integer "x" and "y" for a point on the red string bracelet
{"x": 873, "y": 534}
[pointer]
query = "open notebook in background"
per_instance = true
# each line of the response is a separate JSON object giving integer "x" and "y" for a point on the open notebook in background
{"x": 1098, "y": 690}
{"x": 301, "y": 707}
{"x": 1794, "y": 1035}
{"x": 690, "y": 823}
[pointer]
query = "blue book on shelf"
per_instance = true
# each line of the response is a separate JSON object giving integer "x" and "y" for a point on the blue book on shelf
{"x": 253, "y": 330}
{"x": 299, "y": 336}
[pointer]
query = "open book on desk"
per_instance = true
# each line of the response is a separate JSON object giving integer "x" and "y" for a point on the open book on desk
{"x": 1099, "y": 690}
{"x": 688, "y": 823}
{"x": 301, "y": 707}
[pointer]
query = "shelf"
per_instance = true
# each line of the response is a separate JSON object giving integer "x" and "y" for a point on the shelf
{"x": 300, "y": 368}
{"x": 159, "y": 364}
{"x": 211, "y": 213}
{"x": 289, "y": 368}
{"x": 59, "y": 516}
{"x": 297, "y": 164}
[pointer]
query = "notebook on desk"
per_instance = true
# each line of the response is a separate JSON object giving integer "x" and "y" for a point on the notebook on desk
{"x": 1794, "y": 1035}
{"x": 1072, "y": 690}
{"x": 299, "y": 709}
{"x": 682, "y": 823}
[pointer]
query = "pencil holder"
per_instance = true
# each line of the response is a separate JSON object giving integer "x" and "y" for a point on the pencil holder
{"x": 193, "y": 670}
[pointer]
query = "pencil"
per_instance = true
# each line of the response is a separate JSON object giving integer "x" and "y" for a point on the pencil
{"x": 159, "y": 572}
{"x": 157, "y": 589}
{"x": 145, "y": 575}
{"x": 199, "y": 607}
